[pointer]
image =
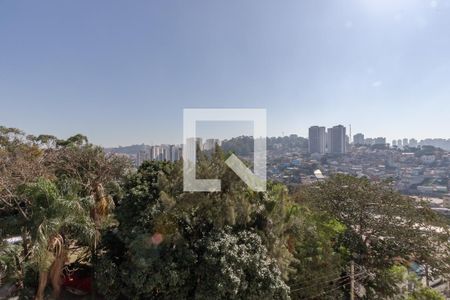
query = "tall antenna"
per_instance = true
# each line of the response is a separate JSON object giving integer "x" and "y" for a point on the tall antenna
{"x": 350, "y": 137}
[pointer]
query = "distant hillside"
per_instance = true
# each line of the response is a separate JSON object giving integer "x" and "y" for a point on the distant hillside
{"x": 133, "y": 149}
{"x": 438, "y": 143}
{"x": 242, "y": 145}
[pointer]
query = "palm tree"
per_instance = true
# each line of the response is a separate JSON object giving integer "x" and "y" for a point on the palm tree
{"x": 58, "y": 219}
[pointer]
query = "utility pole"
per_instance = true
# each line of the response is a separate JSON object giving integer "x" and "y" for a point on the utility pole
{"x": 352, "y": 280}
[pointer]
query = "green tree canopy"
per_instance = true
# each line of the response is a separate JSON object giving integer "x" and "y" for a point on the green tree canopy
{"x": 227, "y": 245}
{"x": 382, "y": 227}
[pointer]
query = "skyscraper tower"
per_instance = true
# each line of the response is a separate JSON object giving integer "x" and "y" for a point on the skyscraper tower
{"x": 337, "y": 140}
{"x": 413, "y": 142}
{"x": 317, "y": 139}
{"x": 358, "y": 139}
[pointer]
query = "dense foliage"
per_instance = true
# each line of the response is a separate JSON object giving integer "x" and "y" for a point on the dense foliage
{"x": 182, "y": 245}
{"x": 145, "y": 238}
{"x": 383, "y": 228}
{"x": 53, "y": 193}
{"x": 243, "y": 145}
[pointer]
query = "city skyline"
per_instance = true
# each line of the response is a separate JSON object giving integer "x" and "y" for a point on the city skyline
{"x": 221, "y": 136}
{"x": 320, "y": 141}
{"x": 122, "y": 74}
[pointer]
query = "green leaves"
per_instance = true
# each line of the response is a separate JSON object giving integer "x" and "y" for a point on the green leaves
{"x": 236, "y": 265}
{"x": 52, "y": 215}
{"x": 382, "y": 227}
{"x": 228, "y": 245}
{"x": 10, "y": 263}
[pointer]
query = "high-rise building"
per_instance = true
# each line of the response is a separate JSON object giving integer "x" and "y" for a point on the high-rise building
{"x": 399, "y": 143}
{"x": 210, "y": 144}
{"x": 405, "y": 142}
{"x": 337, "y": 140}
{"x": 317, "y": 140}
{"x": 141, "y": 156}
{"x": 380, "y": 141}
{"x": 191, "y": 146}
{"x": 159, "y": 153}
{"x": 166, "y": 153}
{"x": 413, "y": 143}
{"x": 328, "y": 140}
{"x": 175, "y": 153}
{"x": 369, "y": 141}
{"x": 156, "y": 153}
{"x": 358, "y": 139}
{"x": 394, "y": 143}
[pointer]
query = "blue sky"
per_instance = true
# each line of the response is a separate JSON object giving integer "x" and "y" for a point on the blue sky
{"x": 121, "y": 72}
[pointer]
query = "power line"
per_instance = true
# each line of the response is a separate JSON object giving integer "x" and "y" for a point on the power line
{"x": 325, "y": 278}
{"x": 316, "y": 282}
{"x": 334, "y": 289}
{"x": 324, "y": 282}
